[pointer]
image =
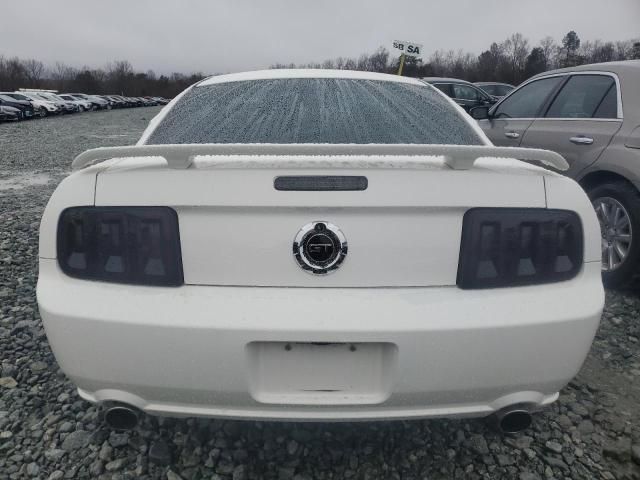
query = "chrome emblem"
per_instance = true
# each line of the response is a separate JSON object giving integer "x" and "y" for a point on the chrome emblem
{"x": 319, "y": 247}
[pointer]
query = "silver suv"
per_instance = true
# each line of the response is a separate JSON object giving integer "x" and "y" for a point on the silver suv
{"x": 591, "y": 115}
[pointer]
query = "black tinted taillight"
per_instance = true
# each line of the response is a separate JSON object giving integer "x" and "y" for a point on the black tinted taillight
{"x": 137, "y": 245}
{"x": 504, "y": 247}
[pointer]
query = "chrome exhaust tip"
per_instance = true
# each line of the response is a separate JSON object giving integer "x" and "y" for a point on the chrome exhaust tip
{"x": 121, "y": 417}
{"x": 512, "y": 419}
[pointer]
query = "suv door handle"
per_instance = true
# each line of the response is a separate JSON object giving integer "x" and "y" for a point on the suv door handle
{"x": 512, "y": 134}
{"x": 580, "y": 140}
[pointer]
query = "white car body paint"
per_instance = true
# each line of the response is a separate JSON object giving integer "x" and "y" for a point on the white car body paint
{"x": 246, "y": 335}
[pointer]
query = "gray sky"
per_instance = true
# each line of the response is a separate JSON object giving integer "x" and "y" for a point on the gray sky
{"x": 217, "y": 36}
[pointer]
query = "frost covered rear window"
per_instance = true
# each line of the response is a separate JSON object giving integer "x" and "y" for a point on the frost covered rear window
{"x": 313, "y": 110}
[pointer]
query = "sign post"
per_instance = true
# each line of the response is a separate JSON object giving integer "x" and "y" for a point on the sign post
{"x": 401, "y": 64}
{"x": 407, "y": 49}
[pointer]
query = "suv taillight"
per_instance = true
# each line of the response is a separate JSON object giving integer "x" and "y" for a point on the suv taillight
{"x": 136, "y": 245}
{"x": 506, "y": 247}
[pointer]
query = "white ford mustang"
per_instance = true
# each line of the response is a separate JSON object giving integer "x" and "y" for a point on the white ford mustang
{"x": 318, "y": 245}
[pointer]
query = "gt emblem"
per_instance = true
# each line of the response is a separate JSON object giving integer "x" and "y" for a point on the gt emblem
{"x": 319, "y": 247}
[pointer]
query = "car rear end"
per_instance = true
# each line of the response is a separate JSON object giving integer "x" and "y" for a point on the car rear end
{"x": 302, "y": 281}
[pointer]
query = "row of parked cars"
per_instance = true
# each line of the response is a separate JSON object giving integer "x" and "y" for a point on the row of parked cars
{"x": 25, "y": 104}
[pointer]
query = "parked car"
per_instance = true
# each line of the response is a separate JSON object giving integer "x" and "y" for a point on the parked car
{"x": 65, "y": 106}
{"x": 25, "y": 107}
{"x": 149, "y": 101}
{"x": 365, "y": 261}
{"x": 38, "y": 109}
{"x": 464, "y": 93}
{"x": 98, "y": 103}
{"x": 591, "y": 115}
{"x": 161, "y": 100}
{"x": 135, "y": 101}
{"x": 496, "y": 89}
{"x": 114, "y": 102}
{"x": 50, "y": 107}
{"x": 9, "y": 114}
{"x": 83, "y": 105}
{"x": 127, "y": 101}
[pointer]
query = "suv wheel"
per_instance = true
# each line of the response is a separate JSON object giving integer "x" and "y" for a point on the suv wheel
{"x": 617, "y": 205}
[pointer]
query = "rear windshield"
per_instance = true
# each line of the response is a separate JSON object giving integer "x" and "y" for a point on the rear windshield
{"x": 314, "y": 110}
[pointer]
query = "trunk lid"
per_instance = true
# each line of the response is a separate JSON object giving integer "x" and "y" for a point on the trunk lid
{"x": 403, "y": 230}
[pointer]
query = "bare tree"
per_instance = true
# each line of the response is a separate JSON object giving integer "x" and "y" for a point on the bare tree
{"x": 350, "y": 64}
{"x": 34, "y": 70}
{"x": 516, "y": 50}
{"x": 624, "y": 50}
{"x": 379, "y": 60}
{"x": 600, "y": 52}
{"x": 489, "y": 62}
{"x": 62, "y": 76}
{"x": 550, "y": 51}
{"x": 328, "y": 65}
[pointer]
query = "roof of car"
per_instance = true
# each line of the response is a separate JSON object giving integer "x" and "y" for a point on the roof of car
{"x": 493, "y": 83}
{"x": 305, "y": 73}
{"x": 445, "y": 80}
{"x": 621, "y": 67}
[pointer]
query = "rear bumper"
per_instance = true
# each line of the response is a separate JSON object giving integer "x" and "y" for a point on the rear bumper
{"x": 191, "y": 350}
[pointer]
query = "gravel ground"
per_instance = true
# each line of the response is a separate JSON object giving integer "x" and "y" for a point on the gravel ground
{"x": 48, "y": 432}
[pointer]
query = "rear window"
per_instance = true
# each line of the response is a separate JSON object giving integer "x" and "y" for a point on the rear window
{"x": 444, "y": 88}
{"x": 314, "y": 110}
{"x": 586, "y": 96}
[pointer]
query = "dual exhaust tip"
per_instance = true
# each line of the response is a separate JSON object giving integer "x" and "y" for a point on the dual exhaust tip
{"x": 120, "y": 416}
{"x": 512, "y": 419}
{"x": 509, "y": 420}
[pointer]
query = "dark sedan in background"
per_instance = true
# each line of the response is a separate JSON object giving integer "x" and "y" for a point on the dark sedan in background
{"x": 464, "y": 93}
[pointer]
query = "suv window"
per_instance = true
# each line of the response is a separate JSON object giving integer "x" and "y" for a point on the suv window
{"x": 465, "y": 92}
{"x": 586, "y": 96}
{"x": 527, "y": 101}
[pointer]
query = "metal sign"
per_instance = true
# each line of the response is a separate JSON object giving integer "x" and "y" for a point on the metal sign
{"x": 410, "y": 49}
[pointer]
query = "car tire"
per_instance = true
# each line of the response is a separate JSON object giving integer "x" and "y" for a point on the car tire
{"x": 615, "y": 195}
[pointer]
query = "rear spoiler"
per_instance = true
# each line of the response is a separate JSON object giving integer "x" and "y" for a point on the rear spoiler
{"x": 457, "y": 157}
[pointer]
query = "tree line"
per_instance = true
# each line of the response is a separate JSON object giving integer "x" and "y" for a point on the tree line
{"x": 511, "y": 61}
{"x": 117, "y": 78}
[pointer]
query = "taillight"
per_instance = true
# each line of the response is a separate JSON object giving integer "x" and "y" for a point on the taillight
{"x": 136, "y": 245}
{"x": 505, "y": 247}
